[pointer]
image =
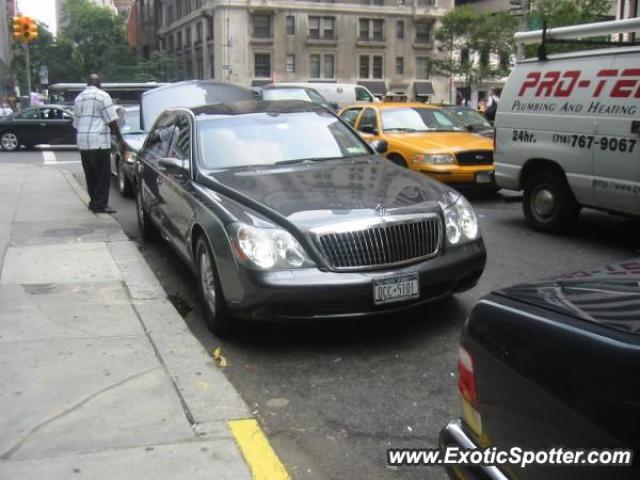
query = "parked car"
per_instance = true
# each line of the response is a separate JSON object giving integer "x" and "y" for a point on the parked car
{"x": 45, "y": 124}
{"x": 567, "y": 137}
{"x": 549, "y": 364}
{"x": 289, "y": 92}
{"x": 426, "y": 139}
{"x": 471, "y": 119}
{"x": 340, "y": 94}
{"x": 123, "y": 165}
{"x": 187, "y": 94}
{"x": 284, "y": 213}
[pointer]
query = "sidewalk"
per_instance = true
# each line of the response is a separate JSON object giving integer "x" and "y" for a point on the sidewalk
{"x": 99, "y": 376}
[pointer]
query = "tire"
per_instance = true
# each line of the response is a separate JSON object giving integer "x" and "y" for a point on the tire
{"x": 216, "y": 313}
{"x": 398, "y": 160}
{"x": 148, "y": 231}
{"x": 548, "y": 203}
{"x": 124, "y": 185}
{"x": 9, "y": 141}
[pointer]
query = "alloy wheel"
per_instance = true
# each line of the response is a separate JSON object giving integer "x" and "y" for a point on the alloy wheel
{"x": 207, "y": 281}
{"x": 9, "y": 141}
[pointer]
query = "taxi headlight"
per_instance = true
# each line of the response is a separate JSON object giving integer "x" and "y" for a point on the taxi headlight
{"x": 433, "y": 159}
{"x": 268, "y": 248}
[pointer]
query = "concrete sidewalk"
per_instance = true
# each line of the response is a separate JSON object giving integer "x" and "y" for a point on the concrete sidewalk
{"x": 99, "y": 376}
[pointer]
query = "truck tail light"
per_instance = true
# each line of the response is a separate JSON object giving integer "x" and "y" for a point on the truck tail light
{"x": 466, "y": 377}
{"x": 468, "y": 391}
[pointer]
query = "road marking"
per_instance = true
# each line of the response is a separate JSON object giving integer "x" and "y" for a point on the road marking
{"x": 49, "y": 157}
{"x": 260, "y": 457}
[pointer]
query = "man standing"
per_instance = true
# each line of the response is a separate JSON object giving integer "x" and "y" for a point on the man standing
{"x": 95, "y": 120}
{"x": 492, "y": 105}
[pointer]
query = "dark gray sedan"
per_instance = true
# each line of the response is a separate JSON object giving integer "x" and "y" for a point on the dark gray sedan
{"x": 46, "y": 124}
{"x": 284, "y": 213}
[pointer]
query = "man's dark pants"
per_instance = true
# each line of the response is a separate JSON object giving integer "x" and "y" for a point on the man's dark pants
{"x": 97, "y": 172}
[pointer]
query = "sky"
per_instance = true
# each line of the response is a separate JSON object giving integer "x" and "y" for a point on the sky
{"x": 41, "y": 10}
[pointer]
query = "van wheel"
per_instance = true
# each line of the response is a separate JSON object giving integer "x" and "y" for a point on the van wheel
{"x": 398, "y": 160}
{"x": 548, "y": 203}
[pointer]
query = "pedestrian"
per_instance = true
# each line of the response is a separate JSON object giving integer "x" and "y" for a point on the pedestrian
{"x": 95, "y": 120}
{"x": 482, "y": 106}
{"x": 492, "y": 105}
{"x": 5, "y": 110}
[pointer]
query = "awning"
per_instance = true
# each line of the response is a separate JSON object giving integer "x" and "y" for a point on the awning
{"x": 423, "y": 88}
{"x": 260, "y": 83}
{"x": 377, "y": 87}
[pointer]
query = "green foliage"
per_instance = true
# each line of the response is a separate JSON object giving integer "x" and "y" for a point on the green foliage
{"x": 466, "y": 29}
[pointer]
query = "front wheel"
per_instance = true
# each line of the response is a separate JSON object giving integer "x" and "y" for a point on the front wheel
{"x": 548, "y": 203}
{"x": 148, "y": 230}
{"x": 217, "y": 316}
{"x": 124, "y": 185}
{"x": 9, "y": 141}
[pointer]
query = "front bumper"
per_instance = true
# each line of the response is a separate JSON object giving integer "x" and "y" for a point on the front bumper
{"x": 309, "y": 294}
{"x": 454, "y": 435}
{"x": 458, "y": 174}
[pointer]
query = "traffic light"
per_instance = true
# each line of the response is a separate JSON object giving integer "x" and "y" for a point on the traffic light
{"x": 33, "y": 30}
{"x": 25, "y": 29}
{"x": 17, "y": 28}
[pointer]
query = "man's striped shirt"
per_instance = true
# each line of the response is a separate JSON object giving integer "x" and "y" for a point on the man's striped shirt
{"x": 93, "y": 112}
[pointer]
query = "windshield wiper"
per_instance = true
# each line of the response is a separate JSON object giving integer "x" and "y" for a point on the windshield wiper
{"x": 313, "y": 159}
{"x": 400, "y": 129}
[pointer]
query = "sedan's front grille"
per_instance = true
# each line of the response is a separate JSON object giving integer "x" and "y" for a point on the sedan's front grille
{"x": 381, "y": 244}
{"x": 479, "y": 157}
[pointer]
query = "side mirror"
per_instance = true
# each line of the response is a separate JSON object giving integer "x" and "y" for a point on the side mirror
{"x": 172, "y": 163}
{"x": 370, "y": 129}
{"x": 380, "y": 146}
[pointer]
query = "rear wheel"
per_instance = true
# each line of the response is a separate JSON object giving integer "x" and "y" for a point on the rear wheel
{"x": 398, "y": 160}
{"x": 217, "y": 316}
{"x": 124, "y": 185}
{"x": 9, "y": 141}
{"x": 548, "y": 203}
{"x": 148, "y": 230}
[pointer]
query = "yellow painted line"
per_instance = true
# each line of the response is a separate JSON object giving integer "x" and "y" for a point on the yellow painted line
{"x": 256, "y": 450}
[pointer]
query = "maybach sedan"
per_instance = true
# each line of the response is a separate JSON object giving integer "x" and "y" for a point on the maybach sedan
{"x": 285, "y": 214}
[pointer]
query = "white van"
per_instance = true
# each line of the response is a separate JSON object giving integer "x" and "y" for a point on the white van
{"x": 568, "y": 129}
{"x": 340, "y": 94}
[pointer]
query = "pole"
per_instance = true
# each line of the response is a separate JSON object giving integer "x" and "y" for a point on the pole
{"x": 522, "y": 27}
{"x": 27, "y": 64}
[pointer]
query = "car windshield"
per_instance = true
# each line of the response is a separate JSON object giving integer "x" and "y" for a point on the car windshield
{"x": 271, "y": 138}
{"x": 416, "y": 119}
{"x": 131, "y": 121}
{"x": 466, "y": 116}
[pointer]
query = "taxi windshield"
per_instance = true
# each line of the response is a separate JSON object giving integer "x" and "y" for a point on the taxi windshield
{"x": 416, "y": 119}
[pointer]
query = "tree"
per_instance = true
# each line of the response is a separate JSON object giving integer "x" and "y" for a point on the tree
{"x": 465, "y": 32}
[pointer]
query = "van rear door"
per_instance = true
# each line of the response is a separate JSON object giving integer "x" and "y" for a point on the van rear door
{"x": 616, "y": 148}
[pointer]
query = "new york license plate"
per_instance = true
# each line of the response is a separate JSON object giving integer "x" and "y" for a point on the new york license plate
{"x": 396, "y": 289}
{"x": 484, "y": 177}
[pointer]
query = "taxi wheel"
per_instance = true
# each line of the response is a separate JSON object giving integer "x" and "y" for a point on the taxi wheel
{"x": 548, "y": 203}
{"x": 398, "y": 160}
{"x": 217, "y": 317}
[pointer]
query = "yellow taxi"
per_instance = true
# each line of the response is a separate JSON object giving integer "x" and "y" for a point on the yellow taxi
{"x": 427, "y": 139}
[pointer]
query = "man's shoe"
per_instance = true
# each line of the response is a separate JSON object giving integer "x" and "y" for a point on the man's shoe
{"x": 104, "y": 210}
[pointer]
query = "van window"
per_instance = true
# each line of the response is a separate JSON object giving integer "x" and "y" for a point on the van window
{"x": 362, "y": 95}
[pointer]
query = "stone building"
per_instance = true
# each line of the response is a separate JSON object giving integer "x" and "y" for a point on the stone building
{"x": 386, "y": 45}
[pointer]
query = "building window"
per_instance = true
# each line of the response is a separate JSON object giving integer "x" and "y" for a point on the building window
{"x": 426, "y": 3}
{"x": 170, "y": 43}
{"x": 178, "y": 10}
{"x": 400, "y": 65}
{"x": 261, "y": 26}
{"x": 322, "y": 65}
{"x": 210, "y": 27}
{"x": 199, "y": 28}
{"x": 212, "y": 66}
{"x": 401, "y": 2}
{"x": 187, "y": 7}
{"x": 484, "y": 58}
{"x": 291, "y": 64}
{"x": 371, "y": 66}
{"x": 400, "y": 29}
{"x": 187, "y": 37}
{"x": 291, "y": 25}
{"x": 422, "y": 68}
{"x": 262, "y": 65}
{"x": 371, "y": 29}
{"x": 423, "y": 32}
{"x": 179, "y": 40}
{"x": 322, "y": 27}
{"x": 200, "y": 67}
{"x": 170, "y": 15}
{"x": 464, "y": 56}
{"x": 505, "y": 61}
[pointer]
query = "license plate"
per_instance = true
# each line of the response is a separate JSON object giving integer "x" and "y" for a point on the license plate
{"x": 395, "y": 289}
{"x": 484, "y": 177}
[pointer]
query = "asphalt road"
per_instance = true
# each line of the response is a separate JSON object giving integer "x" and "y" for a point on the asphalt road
{"x": 333, "y": 397}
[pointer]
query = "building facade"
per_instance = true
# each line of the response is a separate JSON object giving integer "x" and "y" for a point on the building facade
{"x": 386, "y": 45}
{"x": 7, "y": 10}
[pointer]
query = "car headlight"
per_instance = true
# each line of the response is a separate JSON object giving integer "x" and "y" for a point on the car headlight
{"x": 461, "y": 224}
{"x": 268, "y": 248}
{"x": 129, "y": 156}
{"x": 433, "y": 159}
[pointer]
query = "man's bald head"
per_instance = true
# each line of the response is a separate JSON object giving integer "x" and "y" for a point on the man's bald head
{"x": 93, "y": 80}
